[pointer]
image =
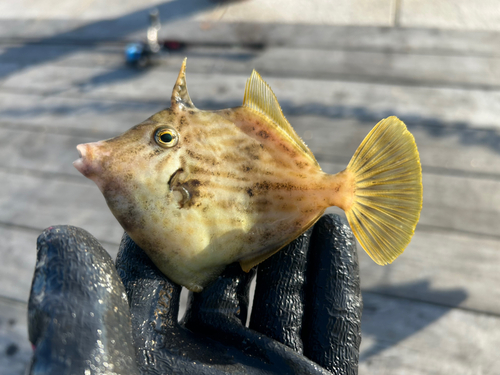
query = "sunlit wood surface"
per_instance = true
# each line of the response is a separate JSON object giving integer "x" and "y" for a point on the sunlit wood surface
{"x": 434, "y": 311}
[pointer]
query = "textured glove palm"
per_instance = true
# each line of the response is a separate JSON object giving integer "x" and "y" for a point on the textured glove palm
{"x": 88, "y": 317}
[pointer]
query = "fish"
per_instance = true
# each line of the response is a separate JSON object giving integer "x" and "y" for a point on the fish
{"x": 198, "y": 189}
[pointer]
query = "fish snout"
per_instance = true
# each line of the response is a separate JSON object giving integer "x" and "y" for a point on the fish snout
{"x": 88, "y": 164}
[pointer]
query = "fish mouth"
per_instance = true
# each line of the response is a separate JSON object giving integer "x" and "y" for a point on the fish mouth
{"x": 90, "y": 159}
{"x": 89, "y": 163}
{"x": 82, "y": 163}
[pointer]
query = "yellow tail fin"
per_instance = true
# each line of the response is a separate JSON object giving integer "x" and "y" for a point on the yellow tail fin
{"x": 388, "y": 196}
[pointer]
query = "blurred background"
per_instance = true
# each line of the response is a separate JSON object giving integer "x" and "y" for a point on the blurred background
{"x": 79, "y": 71}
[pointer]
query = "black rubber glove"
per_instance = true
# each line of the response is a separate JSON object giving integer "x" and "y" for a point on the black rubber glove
{"x": 87, "y": 318}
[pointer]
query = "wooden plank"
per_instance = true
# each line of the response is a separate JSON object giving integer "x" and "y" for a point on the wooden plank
{"x": 18, "y": 254}
{"x": 445, "y": 268}
{"x": 380, "y": 67}
{"x": 75, "y": 10}
{"x": 73, "y": 54}
{"x": 457, "y": 14}
{"x": 461, "y": 203}
{"x": 40, "y": 152}
{"x": 362, "y": 66}
{"x": 412, "y": 338}
{"x": 28, "y": 201}
{"x": 272, "y": 34}
{"x": 15, "y": 349}
{"x": 101, "y": 88}
{"x": 345, "y": 37}
{"x": 66, "y": 114}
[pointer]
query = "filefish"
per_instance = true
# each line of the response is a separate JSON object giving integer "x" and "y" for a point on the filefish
{"x": 198, "y": 190}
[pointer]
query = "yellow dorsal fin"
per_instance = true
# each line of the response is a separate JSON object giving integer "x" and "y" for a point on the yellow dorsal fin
{"x": 260, "y": 98}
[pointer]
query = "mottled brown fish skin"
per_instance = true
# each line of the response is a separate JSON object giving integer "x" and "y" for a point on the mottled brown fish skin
{"x": 249, "y": 191}
{"x": 198, "y": 190}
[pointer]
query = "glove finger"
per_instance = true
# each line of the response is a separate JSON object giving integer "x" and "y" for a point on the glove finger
{"x": 216, "y": 342}
{"x": 219, "y": 313}
{"x": 153, "y": 298}
{"x": 332, "y": 330}
{"x": 278, "y": 306}
{"x": 78, "y": 317}
{"x": 225, "y": 300}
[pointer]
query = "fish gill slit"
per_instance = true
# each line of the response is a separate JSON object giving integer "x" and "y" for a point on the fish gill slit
{"x": 173, "y": 184}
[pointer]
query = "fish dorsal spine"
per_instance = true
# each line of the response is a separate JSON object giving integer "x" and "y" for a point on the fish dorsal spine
{"x": 180, "y": 95}
{"x": 260, "y": 98}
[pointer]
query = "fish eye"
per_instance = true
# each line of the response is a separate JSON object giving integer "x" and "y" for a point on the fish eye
{"x": 166, "y": 137}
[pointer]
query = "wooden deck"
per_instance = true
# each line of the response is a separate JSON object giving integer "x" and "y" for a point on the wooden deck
{"x": 436, "y": 310}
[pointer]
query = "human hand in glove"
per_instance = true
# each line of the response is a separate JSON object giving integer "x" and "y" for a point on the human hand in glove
{"x": 88, "y": 317}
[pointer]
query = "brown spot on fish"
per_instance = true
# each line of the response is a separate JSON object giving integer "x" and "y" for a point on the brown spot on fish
{"x": 263, "y": 134}
{"x": 250, "y": 192}
{"x": 203, "y": 158}
{"x": 234, "y": 176}
{"x": 266, "y": 186}
{"x": 287, "y": 150}
{"x": 182, "y": 122}
{"x": 194, "y": 183}
{"x": 155, "y": 152}
{"x": 194, "y": 155}
{"x": 198, "y": 170}
{"x": 252, "y": 151}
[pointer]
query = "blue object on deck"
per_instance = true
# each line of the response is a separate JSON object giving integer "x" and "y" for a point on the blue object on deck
{"x": 134, "y": 52}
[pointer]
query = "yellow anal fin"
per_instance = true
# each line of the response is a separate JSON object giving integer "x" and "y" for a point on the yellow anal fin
{"x": 388, "y": 193}
{"x": 260, "y": 98}
{"x": 248, "y": 263}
